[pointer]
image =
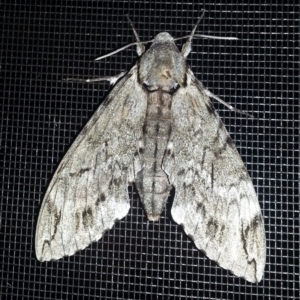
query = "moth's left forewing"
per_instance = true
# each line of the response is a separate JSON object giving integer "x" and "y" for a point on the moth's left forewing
{"x": 215, "y": 200}
{"x": 89, "y": 190}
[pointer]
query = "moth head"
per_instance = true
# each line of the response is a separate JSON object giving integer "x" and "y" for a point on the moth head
{"x": 162, "y": 38}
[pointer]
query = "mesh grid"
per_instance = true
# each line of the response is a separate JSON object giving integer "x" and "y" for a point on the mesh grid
{"x": 41, "y": 115}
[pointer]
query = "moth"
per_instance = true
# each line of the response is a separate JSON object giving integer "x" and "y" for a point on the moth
{"x": 159, "y": 130}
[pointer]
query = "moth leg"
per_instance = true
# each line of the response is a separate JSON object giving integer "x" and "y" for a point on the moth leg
{"x": 210, "y": 94}
{"x": 140, "y": 48}
{"x": 112, "y": 79}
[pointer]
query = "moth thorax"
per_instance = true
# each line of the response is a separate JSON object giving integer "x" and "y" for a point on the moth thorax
{"x": 162, "y": 80}
{"x": 162, "y": 67}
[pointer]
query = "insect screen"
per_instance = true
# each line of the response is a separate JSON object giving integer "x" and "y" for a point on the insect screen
{"x": 42, "y": 113}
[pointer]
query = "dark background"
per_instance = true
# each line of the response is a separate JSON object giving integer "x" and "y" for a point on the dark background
{"x": 42, "y": 44}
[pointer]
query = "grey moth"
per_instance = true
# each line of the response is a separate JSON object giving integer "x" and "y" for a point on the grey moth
{"x": 159, "y": 130}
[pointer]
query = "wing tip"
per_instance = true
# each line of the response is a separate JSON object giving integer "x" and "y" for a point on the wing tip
{"x": 253, "y": 272}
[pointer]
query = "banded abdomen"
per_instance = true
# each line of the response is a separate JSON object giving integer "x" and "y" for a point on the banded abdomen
{"x": 152, "y": 182}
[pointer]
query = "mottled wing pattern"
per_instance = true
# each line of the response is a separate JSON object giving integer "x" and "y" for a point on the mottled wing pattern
{"x": 89, "y": 190}
{"x": 215, "y": 200}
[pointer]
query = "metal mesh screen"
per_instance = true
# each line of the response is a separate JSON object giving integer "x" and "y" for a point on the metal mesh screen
{"x": 43, "y": 43}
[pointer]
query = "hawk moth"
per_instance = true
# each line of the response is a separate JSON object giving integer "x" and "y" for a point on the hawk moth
{"x": 158, "y": 129}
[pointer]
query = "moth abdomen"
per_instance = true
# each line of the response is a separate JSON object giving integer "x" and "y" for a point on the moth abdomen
{"x": 152, "y": 182}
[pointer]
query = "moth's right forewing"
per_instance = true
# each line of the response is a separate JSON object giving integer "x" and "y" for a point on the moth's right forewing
{"x": 88, "y": 192}
{"x": 215, "y": 200}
